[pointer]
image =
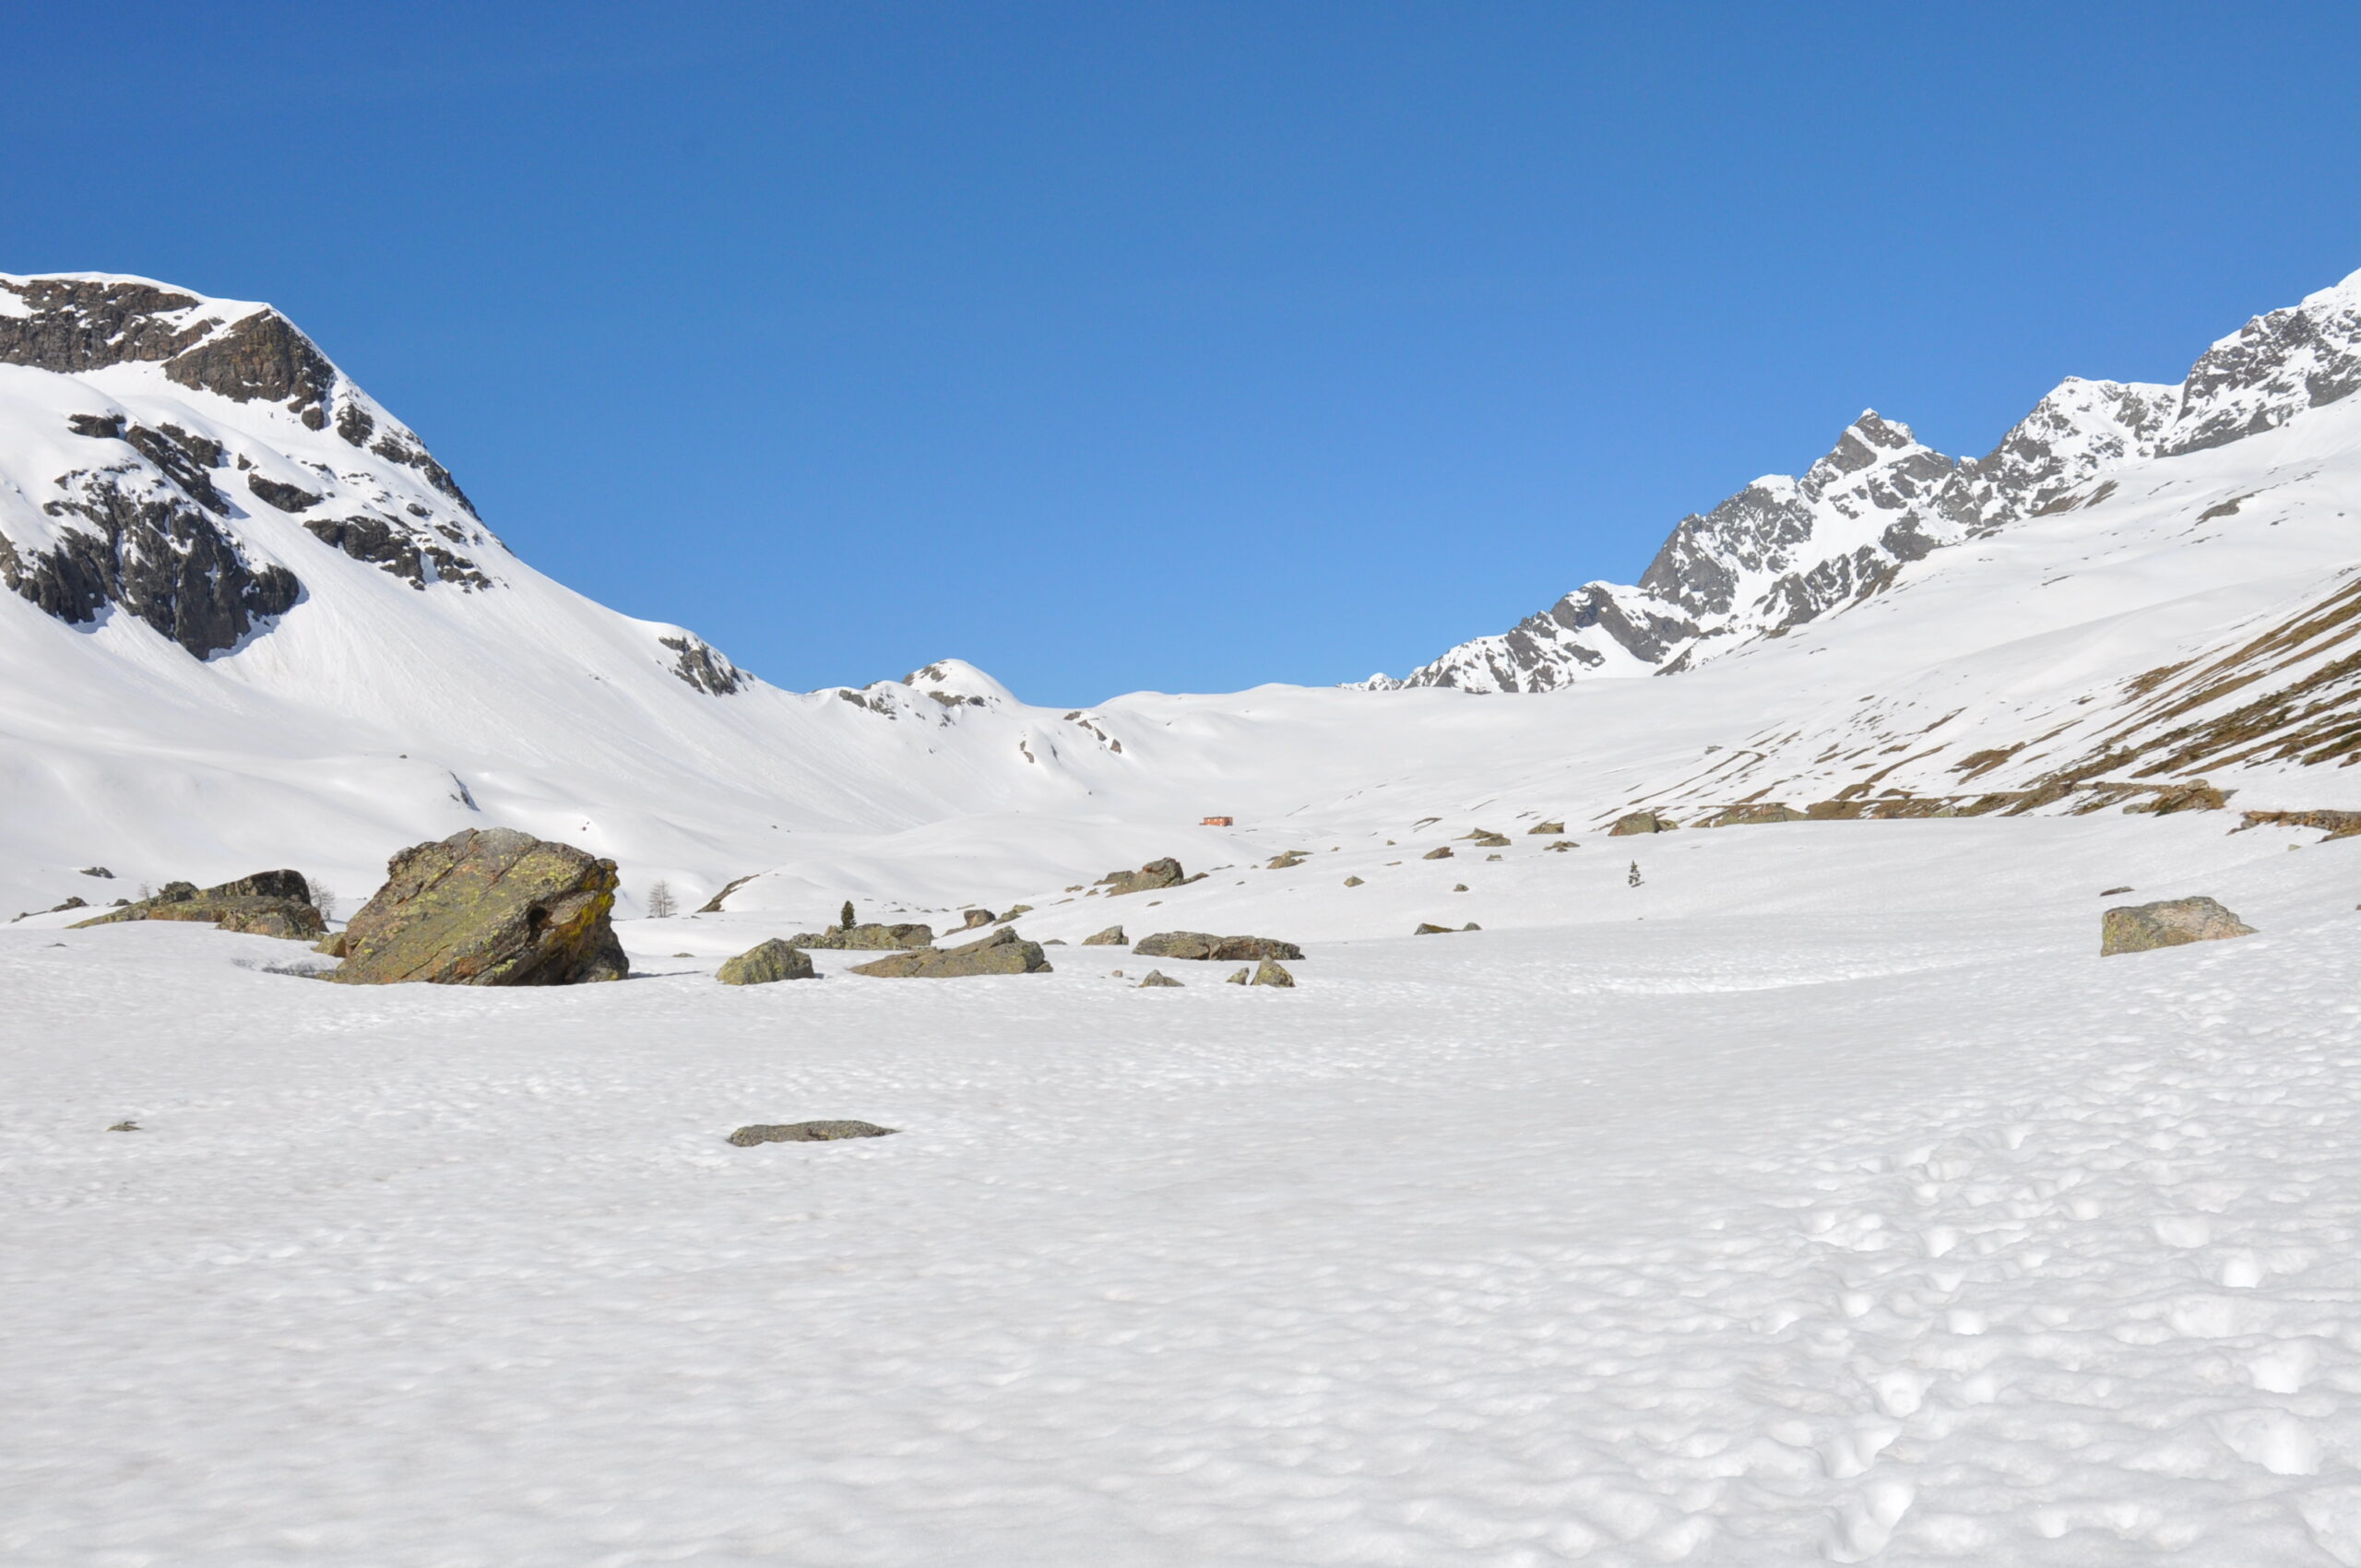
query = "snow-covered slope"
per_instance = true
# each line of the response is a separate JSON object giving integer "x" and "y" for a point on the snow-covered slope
{"x": 1784, "y": 551}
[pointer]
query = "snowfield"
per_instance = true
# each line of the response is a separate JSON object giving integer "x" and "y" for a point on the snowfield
{"x": 1824, "y": 1198}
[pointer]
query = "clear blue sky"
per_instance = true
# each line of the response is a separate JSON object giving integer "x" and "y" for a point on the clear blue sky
{"x": 1182, "y": 345}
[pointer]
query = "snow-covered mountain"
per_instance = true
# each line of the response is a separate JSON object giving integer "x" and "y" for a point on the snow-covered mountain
{"x": 1785, "y": 551}
{"x": 251, "y": 621}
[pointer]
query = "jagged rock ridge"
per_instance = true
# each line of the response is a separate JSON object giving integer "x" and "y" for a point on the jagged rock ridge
{"x": 1785, "y": 551}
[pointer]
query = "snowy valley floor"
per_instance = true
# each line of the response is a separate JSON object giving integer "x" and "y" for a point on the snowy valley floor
{"x": 1847, "y": 1207}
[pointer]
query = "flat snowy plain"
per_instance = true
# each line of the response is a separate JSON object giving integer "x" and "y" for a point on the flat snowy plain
{"x": 1824, "y": 1198}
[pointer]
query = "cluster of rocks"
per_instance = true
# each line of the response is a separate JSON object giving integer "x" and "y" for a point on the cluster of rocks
{"x": 268, "y": 903}
{"x": 807, "y": 1133}
{"x": 1268, "y": 972}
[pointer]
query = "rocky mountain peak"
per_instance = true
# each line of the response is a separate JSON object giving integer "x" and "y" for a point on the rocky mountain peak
{"x": 1784, "y": 551}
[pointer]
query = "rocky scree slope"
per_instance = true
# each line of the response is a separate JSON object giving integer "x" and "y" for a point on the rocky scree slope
{"x": 1784, "y": 551}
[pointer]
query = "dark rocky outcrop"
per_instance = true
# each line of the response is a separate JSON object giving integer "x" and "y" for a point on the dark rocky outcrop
{"x": 870, "y": 938}
{"x": 487, "y": 907}
{"x": 700, "y": 664}
{"x": 268, "y": 903}
{"x": 807, "y": 1133}
{"x": 398, "y": 548}
{"x": 1198, "y": 945}
{"x": 764, "y": 962}
{"x": 1439, "y": 852}
{"x": 150, "y": 542}
{"x": 2335, "y": 823}
{"x": 2171, "y": 922}
{"x": 286, "y": 497}
{"x": 970, "y": 919}
{"x": 1001, "y": 952}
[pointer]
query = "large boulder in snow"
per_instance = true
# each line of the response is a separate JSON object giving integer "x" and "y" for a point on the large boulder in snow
{"x": 1640, "y": 822}
{"x": 1111, "y": 937}
{"x": 1165, "y": 872}
{"x": 268, "y": 903}
{"x": 487, "y": 907}
{"x": 806, "y": 1132}
{"x": 1001, "y": 952}
{"x": 766, "y": 962}
{"x": 1204, "y": 945}
{"x": 2136, "y": 928}
{"x": 870, "y": 938}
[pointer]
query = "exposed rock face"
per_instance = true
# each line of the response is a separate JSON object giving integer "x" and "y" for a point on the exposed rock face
{"x": 1485, "y": 838}
{"x": 1428, "y": 928}
{"x": 146, "y": 533}
{"x": 268, "y": 903}
{"x": 1111, "y": 937}
{"x": 2136, "y": 928}
{"x": 764, "y": 962}
{"x": 1352, "y": 882}
{"x": 1165, "y": 872}
{"x": 2335, "y": 823}
{"x": 868, "y": 938}
{"x": 713, "y": 905}
{"x": 398, "y": 548}
{"x": 1201, "y": 944}
{"x": 701, "y": 665}
{"x": 487, "y": 907}
{"x": 1239, "y": 977}
{"x": 1270, "y": 972}
{"x": 1158, "y": 977}
{"x": 1439, "y": 852}
{"x": 970, "y": 919}
{"x": 807, "y": 1133}
{"x": 1001, "y": 952}
{"x": 1640, "y": 822}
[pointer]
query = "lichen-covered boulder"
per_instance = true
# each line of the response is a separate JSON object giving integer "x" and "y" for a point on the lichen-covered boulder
{"x": 1239, "y": 977}
{"x": 872, "y": 938}
{"x": 2170, "y": 922}
{"x": 487, "y": 907}
{"x": 1352, "y": 882}
{"x": 766, "y": 962}
{"x": 1001, "y": 952}
{"x": 1158, "y": 977}
{"x": 268, "y": 903}
{"x": 807, "y": 1133}
{"x": 1269, "y": 972}
{"x": 1111, "y": 937}
{"x": 972, "y": 919}
{"x": 1546, "y": 827}
{"x": 1640, "y": 822}
{"x": 1439, "y": 852}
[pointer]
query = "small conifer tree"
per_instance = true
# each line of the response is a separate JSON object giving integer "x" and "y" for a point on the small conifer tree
{"x": 843, "y": 921}
{"x": 1633, "y": 879}
{"x": 661, "y": 903}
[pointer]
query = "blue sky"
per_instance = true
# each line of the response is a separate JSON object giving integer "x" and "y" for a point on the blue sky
{"x": 1180, "y": 346}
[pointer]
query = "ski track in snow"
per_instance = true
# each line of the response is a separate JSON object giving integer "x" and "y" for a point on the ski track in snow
{"x": 1906, "y": 1237}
